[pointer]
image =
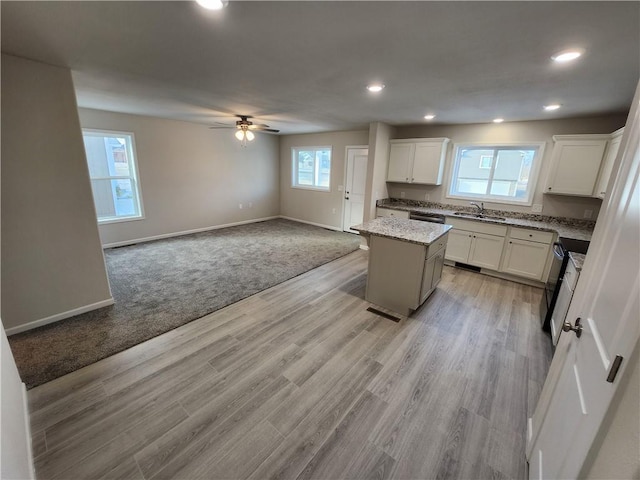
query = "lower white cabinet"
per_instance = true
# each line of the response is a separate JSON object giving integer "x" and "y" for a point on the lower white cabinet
{"x": 388, "y": 212}
{"x": 486, "y": 251}
{"x": 527, "y": 253}
{"x": 402, "y": 274}
{"x": 475, "y": 243}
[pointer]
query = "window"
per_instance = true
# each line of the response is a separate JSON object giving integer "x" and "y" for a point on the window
{"x": 312, "y": 168}
{"x": 114, "y": 176}
{"x": 497, "y": 173}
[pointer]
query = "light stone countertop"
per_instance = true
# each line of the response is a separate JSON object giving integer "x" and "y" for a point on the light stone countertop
{"x": 412, "y": 231}
{"x": 577, "y": 259}
{"x": 564, "y": 227}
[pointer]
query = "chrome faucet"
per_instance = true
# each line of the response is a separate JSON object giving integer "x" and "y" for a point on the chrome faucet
{"x": 479, "y": 207}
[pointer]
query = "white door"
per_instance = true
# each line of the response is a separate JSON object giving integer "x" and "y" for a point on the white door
{"x": 577, "y": 393}
{"x": 357, "y": 159}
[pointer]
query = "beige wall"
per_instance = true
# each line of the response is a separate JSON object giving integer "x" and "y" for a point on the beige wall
{"x": 616, "y": 450}
{"x": 315, "y": 206}
{"x": 534, "y": 131}
{"x": 379, "y": 136}
{"x": 192, "y": 177}
{"x": 52, "y": 261}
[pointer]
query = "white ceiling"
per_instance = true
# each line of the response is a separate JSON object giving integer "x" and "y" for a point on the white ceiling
{"x": 303, "y": 66}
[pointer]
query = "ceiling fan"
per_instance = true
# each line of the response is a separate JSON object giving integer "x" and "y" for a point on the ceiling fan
{"x": 245, "y": 128}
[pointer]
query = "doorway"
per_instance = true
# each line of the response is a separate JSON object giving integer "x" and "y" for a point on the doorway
{"x": 354, "y": 187}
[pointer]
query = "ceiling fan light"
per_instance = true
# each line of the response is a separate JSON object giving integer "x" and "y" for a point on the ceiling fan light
{"x": 250, "y": 136}
{"x": 211, "y": 4}
{"x": 240, "y": 135}
{"x": 567, "y": 55}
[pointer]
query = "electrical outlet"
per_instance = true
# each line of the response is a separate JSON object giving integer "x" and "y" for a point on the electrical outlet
{"x": 250, "y": 204}
{"x": 537, "y": 208}
{"x": 401, "y": 194}
{"x": 240, "y": 206}
{"x": 588, "y": 213}
{"x": 340, "y": 188}
{"x": 426, "y": 196}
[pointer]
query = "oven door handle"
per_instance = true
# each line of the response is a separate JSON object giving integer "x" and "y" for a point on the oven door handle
{"x": 558, "y": 251}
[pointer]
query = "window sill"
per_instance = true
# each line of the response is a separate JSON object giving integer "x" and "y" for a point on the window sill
{"x": 315, "y": 189}
{"x": 109, "y": 221}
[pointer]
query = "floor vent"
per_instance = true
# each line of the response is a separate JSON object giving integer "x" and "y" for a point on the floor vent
{"x": 383, "y": 314}
{"x": 468, "y": 267}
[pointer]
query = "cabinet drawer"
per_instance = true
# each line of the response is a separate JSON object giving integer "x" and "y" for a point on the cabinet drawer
{"x": 477, "y": 226}
{"x": 437, "y": 245}
{"x": 388, "y": 212}
{"x": 532, "y": 235}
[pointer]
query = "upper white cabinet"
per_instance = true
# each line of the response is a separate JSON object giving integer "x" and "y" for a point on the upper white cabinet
{"x": 417, "y": 160}
{"x": 575, "y": 164}
{"x": 607, "y": 163}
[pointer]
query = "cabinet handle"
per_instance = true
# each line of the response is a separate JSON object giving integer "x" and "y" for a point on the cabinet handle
{"x": 412, "y": 179}
{"x": 407, "y": 179}
{"x": 469, "y": 236}
{"x": 510, "y": 242}
{"x": 549, "y": 188}
{"x": 602, "y": 193}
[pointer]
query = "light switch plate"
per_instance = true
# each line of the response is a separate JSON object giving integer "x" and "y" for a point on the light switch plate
{"x": 401, "y": 194}
{"x": 536, "y": 208}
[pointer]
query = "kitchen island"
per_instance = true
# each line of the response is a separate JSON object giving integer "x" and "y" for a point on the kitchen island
{"x": 405, "y": 261}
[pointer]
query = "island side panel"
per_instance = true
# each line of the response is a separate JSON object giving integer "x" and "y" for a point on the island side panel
{"x": 395, "y": 274}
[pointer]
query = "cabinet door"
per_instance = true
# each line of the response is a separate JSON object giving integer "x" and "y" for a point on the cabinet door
{"x": 459, "y": 245}
{"x": 607, "y": 167}
{"x": 437, "y": 268}
{"x": 486, "y": 251}
{"x": 525, "y": 259}
{"x": 575, "y": 166}
{"x": 400, "y": 162}
{"x": 428, "y": 163}
{"x": 427, "y": 278}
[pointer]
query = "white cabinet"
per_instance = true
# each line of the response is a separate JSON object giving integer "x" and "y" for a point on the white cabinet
{"x": 575, "y": 163}
{"x": 527, "y": 253}
{"x": 388, "y": 212}
{"x": 607, "y": 163}
{"x": 417, "y": 160}
{"x": 402, "y": 274}
{"x": 475, "y": 243}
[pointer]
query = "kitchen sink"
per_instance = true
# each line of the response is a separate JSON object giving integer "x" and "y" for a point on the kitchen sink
{"x": 479, "y": 215}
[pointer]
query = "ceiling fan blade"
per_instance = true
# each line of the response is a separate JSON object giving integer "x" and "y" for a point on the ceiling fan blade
{"x": 222, "y": 126}
{"x": 270, "y": 130}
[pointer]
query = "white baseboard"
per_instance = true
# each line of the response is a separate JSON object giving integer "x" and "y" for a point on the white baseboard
{"x": 58, "y": 316}
{"x": 185, "y": 232}
{"x": 328, "y": 227}
{"x": 27, "y": 429}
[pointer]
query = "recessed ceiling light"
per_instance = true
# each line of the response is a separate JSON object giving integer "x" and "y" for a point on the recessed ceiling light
{"x": 212, "y": 4}
{"x": 567, "y": 55}
{"x": 498, "y": 120}
{"x": 429, "y": 117}
{"x": 375, "y": 87}
{"x": 552, "y": 107}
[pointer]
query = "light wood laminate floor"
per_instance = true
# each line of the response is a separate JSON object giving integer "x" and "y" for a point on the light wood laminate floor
{"x": 301, "y": 381}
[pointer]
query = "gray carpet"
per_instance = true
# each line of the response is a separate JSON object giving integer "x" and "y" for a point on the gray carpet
{"x": 160, "y": 285}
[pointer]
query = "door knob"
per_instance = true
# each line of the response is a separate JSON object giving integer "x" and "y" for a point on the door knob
{"x": 567, "y": 327}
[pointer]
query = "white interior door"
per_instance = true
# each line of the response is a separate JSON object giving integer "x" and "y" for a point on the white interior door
{"x": 577, "y": 391}
{"x": 355, "y": 183}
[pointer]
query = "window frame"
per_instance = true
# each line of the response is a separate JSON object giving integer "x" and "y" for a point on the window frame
{"x": 531, "y": 183}
{"x": 294, "y": 168}
{"x": 135, "y": 177}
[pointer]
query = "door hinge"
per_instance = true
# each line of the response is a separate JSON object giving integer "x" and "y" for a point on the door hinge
{"x": 614, "y": 369}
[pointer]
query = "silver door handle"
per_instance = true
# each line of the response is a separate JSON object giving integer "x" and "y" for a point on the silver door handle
{"x": 577, "y": 329}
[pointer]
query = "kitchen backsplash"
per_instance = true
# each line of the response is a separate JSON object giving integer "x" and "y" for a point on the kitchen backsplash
{"x": 498, "y": 213}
